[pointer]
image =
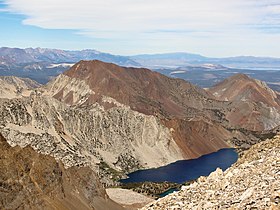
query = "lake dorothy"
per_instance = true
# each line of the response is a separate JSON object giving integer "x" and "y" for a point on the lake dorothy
{"x": 186, "y": 170}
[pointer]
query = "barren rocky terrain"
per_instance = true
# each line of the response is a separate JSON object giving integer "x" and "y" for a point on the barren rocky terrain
{"x": 15, "y": 87}
{"x": 88, "y": 136}
{"x": 251, "y": 183}
{"x": 29, "y": 180}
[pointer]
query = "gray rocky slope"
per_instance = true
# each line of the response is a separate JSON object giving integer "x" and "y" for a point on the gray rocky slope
{"x": 251, "y": 183}
{"x": 124, "y": 139}
{"x": 15, "y": 87}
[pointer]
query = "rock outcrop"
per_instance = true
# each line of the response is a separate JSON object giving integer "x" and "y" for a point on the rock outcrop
{"x": 128, "y": 198}
{"x": 29, "y": 180}
{"x": 251, "y": 183}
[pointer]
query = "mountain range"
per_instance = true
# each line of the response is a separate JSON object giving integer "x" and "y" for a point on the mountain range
{"x": 104, "y": 121}
{"x": 42, "y": 64}
{"x": 187, "y": 59}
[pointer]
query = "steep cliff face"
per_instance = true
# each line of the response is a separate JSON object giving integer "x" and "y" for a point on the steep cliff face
{"x": 124, "y": 139}
{"x": 179, "y": 104}
{"x": 29, "y": 180}
{"x": 198, "y": 136}
{"x": 251, "y": 183}
{"x": 15, "y": 87}
{"x": 199, "y": 123}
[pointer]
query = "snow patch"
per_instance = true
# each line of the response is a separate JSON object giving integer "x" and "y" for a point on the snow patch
{"x": 177, "y": 72}
{"x": 64, "y": 65}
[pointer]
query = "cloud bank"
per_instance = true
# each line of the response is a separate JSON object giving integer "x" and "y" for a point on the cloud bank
{"x": 138, "y": 25}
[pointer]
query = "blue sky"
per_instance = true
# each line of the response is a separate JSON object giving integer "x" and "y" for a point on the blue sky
{"x": 216, "y": 28}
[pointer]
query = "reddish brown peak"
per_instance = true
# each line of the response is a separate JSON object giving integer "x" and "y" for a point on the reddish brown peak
{"x": 239, "y": 76}
{"x": 239, "y": 80}
{"x": 105, "y": 76}
{"x": 143, "y": 90}
{"x": 96, "y": 69}
{"x": 235, "y": 78}
{"x": 241, "y": 87}
{"x": 86, "y": 67}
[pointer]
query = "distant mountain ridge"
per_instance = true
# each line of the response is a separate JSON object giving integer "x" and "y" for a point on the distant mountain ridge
{"x": 42, "y": 64}
{"x": 186, "y": 59}
{"x": 46, "y": 55}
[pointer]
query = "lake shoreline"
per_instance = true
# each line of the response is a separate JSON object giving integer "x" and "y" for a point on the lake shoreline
{"x": 159, "y": 181}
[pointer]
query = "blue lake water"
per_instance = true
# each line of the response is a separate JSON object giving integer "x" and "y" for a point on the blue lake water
{"x": 168, "y": 192}
{"x": 186, "y": 170}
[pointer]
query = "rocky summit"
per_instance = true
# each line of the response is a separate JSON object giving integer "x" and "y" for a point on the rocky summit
{"x": 251, "y": 183}
{"x": 241, "y": 87}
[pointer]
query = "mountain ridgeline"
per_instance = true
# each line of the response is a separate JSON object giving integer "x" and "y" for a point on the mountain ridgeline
{"x": 114, "y": 120}
{"x": 43, "y": 64}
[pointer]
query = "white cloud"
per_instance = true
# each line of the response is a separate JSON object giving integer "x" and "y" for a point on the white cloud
{"x": 162, "y": 24}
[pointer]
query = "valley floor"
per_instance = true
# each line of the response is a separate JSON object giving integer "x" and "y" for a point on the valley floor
{"x": 128, "y": 198}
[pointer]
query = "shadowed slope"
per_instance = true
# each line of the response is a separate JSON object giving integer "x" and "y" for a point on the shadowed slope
{"x": 29, "y": 180}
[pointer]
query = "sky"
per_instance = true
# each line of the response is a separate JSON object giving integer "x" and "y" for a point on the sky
{"x": 215, "y": 28}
